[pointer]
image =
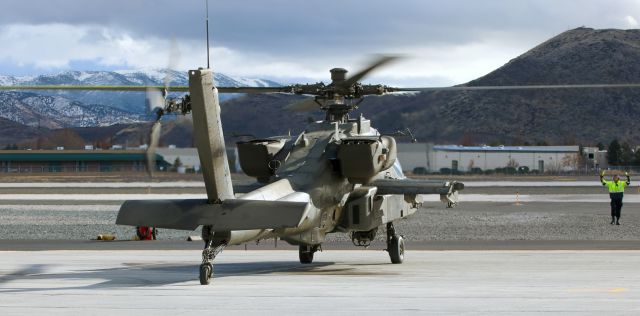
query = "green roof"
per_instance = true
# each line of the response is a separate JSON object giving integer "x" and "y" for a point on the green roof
{"x": 62, "y": 155}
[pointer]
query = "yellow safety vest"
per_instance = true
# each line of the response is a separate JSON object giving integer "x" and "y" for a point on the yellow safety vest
{"x": 615, "y": 187}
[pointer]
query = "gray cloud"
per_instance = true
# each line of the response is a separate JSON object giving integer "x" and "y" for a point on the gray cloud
{"x": 286, "y": 25}
{"x": 326, "y": 31}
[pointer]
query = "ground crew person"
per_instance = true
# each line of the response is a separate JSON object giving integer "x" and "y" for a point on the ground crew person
{"x": 146, "y": 233}
{"x": 616, "y": 192}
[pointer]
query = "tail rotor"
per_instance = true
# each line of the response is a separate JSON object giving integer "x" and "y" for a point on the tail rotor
{"x": 158, "y": 102}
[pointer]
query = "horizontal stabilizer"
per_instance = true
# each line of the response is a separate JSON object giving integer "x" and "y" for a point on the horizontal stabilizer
{"x": 232, "y": 214}
{"x": 408, "y": 186}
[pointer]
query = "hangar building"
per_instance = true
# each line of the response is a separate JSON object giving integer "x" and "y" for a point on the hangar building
{"x": 34, "y": 161}
{"x": 434, "y": 158}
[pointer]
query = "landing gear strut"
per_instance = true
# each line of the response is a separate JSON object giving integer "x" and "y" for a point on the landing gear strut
{"x": 395, "y": 244}
{"x": 208, "y": 254}
{"x": 306, "y": 252}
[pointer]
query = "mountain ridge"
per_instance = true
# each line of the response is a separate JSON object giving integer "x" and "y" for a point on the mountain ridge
{"x": 127, "y": 101}
{"x": 554, "y": 117}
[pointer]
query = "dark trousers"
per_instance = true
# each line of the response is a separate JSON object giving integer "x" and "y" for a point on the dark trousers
{"x": 616, "y": 204}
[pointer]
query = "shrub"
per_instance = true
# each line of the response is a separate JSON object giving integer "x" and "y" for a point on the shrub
{"x": 419, "y": 170}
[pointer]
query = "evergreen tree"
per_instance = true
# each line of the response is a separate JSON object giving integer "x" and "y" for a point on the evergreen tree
{"x": 614, "y": 152}
{"x": 177, "y": 163}
{"x": 636, "y": 158}
{"x": 626, "y": 155}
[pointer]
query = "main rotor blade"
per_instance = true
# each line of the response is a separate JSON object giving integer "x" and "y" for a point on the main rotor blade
{"x": 523, "y": 87}
{"x": 290, "y": 89}
{"x": 285, "y": 89}
{"x": 381, "y": 61}
{"x": 304, "y": 105}
{"x": 93, "y": 88}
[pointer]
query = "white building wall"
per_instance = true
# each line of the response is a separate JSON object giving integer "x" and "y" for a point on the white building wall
{"x": 412, "y": 155}
{"x": 492, "y": 159}
{"x": 190, "y": 159}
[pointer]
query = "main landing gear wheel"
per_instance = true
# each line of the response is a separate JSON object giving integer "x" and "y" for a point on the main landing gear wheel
{"x": 395, "y": 245}
{"x": 206, "y": 272}
{"x": 306, "y": 253}
{"x": 209, "y": 253}
{"x": 396, "y": 249}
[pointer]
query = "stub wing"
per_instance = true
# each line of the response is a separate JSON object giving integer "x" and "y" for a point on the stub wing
{"x": 408, "y": 186}
{"x": 232, "y": 214}
{"x": 448, "y": 190}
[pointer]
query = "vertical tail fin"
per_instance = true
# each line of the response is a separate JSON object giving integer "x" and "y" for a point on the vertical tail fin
{"x": 207, "y": 131}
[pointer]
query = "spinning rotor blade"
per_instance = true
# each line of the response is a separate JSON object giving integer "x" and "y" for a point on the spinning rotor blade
{"x": 174, "y": 55}
{"x": 524, "y": 87}
{"x": 308, "y": 104}
{"x": 154, "y": 139}
{"x": 155, "y": 99}
{"x": 92, "y": 88}
{"x": 381, "y": 61}
{"x": 290, "y": 89}
{"x": 285, "y": 89}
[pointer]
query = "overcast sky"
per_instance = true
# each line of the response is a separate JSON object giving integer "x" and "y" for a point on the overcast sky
{"x": 445, "y": 42}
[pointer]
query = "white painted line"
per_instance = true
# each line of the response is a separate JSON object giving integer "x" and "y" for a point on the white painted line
{"x": 555, "y": 198}
{"x": 60, "y": 207}
{"x": 482, "y": 184}
{"x": 99, "y": 197}
{"x": 173, "y": 184}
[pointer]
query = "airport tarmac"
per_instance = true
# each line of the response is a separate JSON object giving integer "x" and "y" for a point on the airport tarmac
{"x": 508, "y": 248}
{"x": 338, "y": 282}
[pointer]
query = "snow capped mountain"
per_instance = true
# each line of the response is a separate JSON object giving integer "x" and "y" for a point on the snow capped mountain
{"x": 129, "y": 102}
{"x": 56, "y": 112}
{"x": 130, "y": 78}
{"x": 12, "y": 81}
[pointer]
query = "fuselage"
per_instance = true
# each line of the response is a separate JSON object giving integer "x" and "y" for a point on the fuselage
{"x": 311, "y": 167}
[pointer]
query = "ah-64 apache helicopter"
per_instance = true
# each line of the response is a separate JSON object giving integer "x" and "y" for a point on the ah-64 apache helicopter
{"x": 340, "y": 175}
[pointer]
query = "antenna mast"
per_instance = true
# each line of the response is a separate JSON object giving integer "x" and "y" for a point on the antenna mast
{"x": 207, "y": 26}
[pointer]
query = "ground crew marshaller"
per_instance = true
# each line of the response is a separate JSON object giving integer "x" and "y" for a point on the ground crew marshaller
{"x": 616, "y": 192}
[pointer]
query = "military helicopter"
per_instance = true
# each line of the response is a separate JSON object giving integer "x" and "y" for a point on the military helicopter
{"x": 339, "y": 175}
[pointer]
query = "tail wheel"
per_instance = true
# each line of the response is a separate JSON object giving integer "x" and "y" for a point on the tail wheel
{"x": 396, "y": 249}
{"x": 306, "y": 253}
{"x": 206, "y": 272}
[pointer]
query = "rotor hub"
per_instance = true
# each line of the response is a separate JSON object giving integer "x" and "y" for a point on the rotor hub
{"x": 338, "y": 74}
